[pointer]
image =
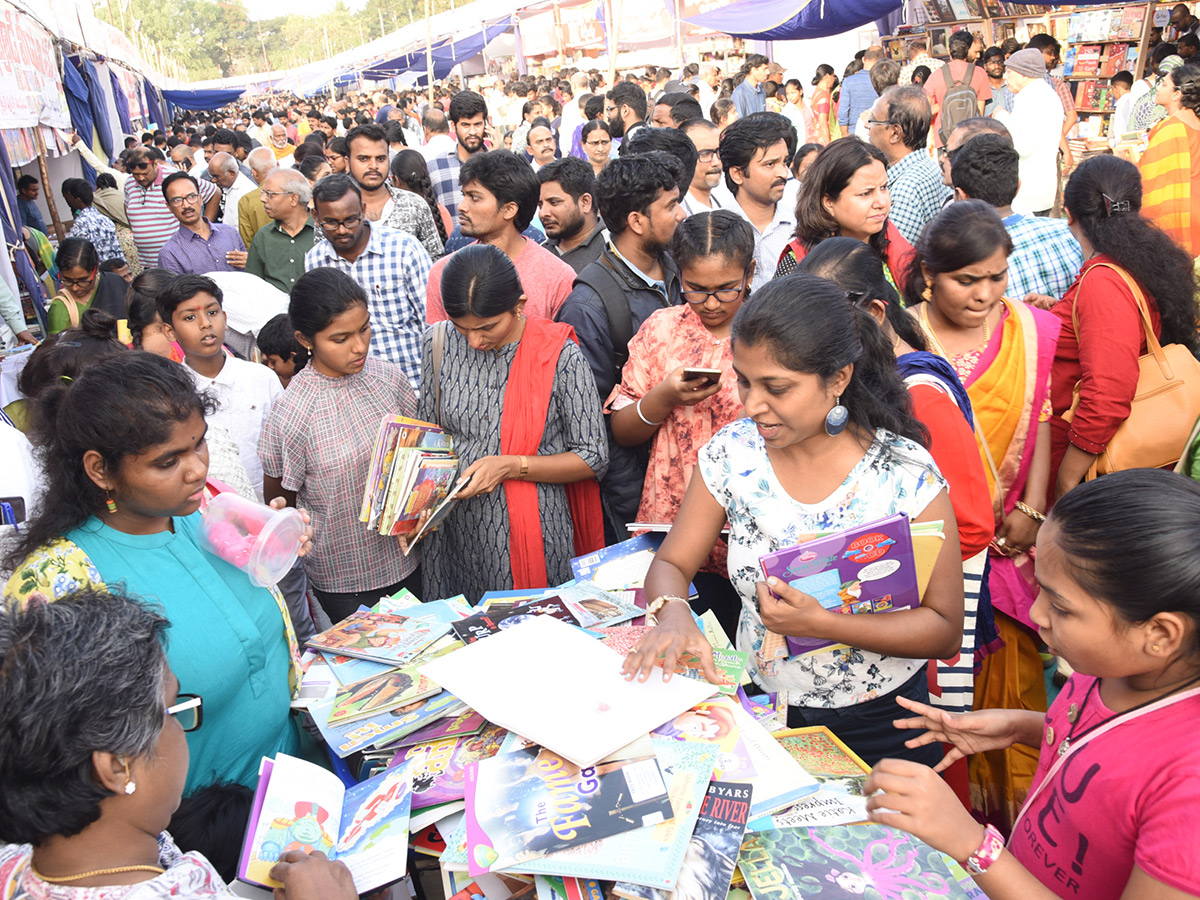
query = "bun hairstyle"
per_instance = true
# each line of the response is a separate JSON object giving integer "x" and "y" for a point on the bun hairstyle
{"x": 1187, "y": 81}
{"x": 64, "y": 357}
{"x": 807, "y": 326}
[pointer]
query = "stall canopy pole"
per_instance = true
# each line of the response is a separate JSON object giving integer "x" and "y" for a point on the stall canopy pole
{"x": 429, "y": 47}
{"x": 46, "y": 191}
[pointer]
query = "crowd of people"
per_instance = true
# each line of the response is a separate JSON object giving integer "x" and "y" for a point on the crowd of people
{"x": 714, "y": 304}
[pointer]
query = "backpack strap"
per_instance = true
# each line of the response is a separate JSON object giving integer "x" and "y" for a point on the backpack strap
{"x": 600, "y": 277}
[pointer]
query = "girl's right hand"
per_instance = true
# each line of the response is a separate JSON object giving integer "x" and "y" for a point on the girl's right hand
{"x": 669, "y": 641}
{"x": 680, "y": 391}
{"x": 973, "y": 732}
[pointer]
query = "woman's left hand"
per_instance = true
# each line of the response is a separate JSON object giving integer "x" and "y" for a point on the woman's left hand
{"x": 487, "y": 474}
{"x": 916, "y": 800}
{"x": 1019, "y": 532}
{"x": 785, "y": 610}
{"x": 306, "y": 537}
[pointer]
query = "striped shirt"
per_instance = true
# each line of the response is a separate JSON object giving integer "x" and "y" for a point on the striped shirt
{"x": 149, "y": 216}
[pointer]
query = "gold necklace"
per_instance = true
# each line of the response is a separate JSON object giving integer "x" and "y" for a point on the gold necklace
{"x": 157, "y": 870}
{"x": 927, "y": 327}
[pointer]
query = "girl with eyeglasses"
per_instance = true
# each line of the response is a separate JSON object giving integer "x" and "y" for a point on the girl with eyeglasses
{"x": 84, "y": 286}
{"x": 659, "y": 401}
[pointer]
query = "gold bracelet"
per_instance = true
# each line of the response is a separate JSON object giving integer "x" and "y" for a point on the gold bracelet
{"x": 1031, "y": 512}
{"x": 524, "y": 467}
{"x": 660, "y": 602}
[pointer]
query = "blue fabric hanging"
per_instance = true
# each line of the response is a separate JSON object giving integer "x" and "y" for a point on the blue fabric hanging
{"x": 152, "y": 112}
{"x": 787, "y": 20}
{"x": 205, "y": 100}
{"x": 121, "y": 102}
{"x": 22, "y": 265}
{"x": 99, "y": 107}
{"x": 81, "y": 112}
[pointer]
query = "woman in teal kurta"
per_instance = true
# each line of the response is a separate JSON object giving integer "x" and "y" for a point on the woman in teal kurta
{"x": 128, "y": 464}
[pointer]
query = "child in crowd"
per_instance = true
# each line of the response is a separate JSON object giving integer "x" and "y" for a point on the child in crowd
{"x": 1121, "y": 84}
{"x": 281, "y": 352}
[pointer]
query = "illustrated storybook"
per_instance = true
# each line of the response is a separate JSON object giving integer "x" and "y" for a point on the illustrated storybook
{"x": 877, "y": 567}
{"x": 622, "y": 565}
{"x": 379, "y": 637}
{"x": 838, "y": 769}
{"x": 380, "y": 693}
{"x": 438, "y": 767}
{"x": 379, "y": 728}
{"x": 398, "y": 438}
{"x": 485, "y": 624}
{"x": 301, "y": 806}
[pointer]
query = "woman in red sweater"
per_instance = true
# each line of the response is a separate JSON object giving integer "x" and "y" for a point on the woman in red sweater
{"x": 1102, "y": 333}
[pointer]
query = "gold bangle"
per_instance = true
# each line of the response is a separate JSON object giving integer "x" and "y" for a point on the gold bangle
{"x": 1031, "y": 512}
{"x": 524, "y": 466}
{"x": 660, "y": 602}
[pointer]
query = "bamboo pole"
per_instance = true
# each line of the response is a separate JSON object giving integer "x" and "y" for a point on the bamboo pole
{"x": 429, "y": 48}
{"x": 46, "y": 189}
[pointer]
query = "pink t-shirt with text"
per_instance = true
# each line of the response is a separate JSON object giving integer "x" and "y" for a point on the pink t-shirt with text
{"x": 1130, "y": 797}
{"x": 545, "y": 278}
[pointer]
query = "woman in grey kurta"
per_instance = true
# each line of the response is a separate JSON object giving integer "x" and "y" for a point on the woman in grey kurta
{"x": 470, "y": 552}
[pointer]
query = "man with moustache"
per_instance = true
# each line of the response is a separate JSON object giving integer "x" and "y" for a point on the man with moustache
{"x": 629, "y": 109}
{"x": 277, "y": 251}
{"x": 707, "y": 138}
{"x": 755, "y": 152}
{"x": 468, "y": 115}
{"x": 198, "y": 246}
{"x": 390, "y": 207}
{"x": 568, "y": 211}
{"x": 899, "y": 128}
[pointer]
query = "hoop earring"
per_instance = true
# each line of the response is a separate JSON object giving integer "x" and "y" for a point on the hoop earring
{"x": 110, "y": 502}
{"x": 837, "y": 418}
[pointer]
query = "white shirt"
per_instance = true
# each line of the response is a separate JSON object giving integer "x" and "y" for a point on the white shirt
{"x": 241, "y": 187}
{"x": 692, "y": 204}
{"x": 796, "y": 116}
{"x": 438, "y": 145}
{"x": 1119, "y": 123}
{"x": 1035, "y": 124}
{"x": 769, "y": 243}
{"x": 244, "y": 392}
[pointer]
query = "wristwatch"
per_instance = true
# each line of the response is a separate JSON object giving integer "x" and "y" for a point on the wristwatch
{"x": 989, "y": 851}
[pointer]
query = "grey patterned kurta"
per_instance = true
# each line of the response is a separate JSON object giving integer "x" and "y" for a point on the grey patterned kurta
{"x": 469, "y": 553}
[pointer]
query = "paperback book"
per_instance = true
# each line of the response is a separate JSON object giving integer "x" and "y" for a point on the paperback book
{"x": 395, "y": 640}
{"x": 380, "y": 693}
{"x": 382, "y": 727}
{"x": 620, "y": 566}
{"x": 396, "y": 438}
{"x": 838, "y": 769}
{"x": 485, "y": 624}
{"x": 437, "y": 767}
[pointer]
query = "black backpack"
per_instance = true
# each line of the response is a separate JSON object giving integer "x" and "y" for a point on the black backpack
{"x": 601, "y": 279}
{"x": 960, "y": 103}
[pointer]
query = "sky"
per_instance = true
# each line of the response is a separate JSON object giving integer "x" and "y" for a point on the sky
{"x": 269, "y": 9}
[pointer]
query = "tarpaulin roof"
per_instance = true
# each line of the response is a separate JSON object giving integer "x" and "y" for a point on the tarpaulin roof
{"x": 787, "y": 20}
{"x": 446, "y": 54}
{"x": 207, "y": 100}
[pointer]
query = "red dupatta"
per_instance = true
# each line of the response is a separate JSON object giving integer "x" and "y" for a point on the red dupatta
{"x": 522, "y": 423}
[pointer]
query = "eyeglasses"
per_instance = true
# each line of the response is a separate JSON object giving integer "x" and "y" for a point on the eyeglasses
{"x": 709, "y": 155}
{"x": 78, "y": 282}
{"x": 189, "y": 199}
{"x": 139, "y": 166}
{"x": 345, "y": 224}
{"x": 598, "y": 143}
{"x": 724, "y": 295}
{"x": 270, "y": 194}
{"x": 188, "y": 711}
{"x": 871, "y": 122}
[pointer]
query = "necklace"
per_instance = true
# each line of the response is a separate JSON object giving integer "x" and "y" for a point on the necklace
{"x": 116, "y": 870}
{"x": 927, "y": 326}
{"x": 1074, "y": 713}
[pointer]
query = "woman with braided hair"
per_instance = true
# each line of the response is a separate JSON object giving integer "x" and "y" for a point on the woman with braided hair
{"x": 1170, "y": 166}
{"x": 410, "y": 172}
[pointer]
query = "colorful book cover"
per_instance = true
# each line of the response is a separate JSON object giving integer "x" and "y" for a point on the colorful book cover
{"x": 301, "y": 806}
{"x": 866, "y": 569}
{"x": 378, "y": 729}
{"x": 349, "y": 669}
{"x": 730, "y": 664}
{"x": 712, "y": 852}
{"x": 595, "y": 607}
{"x": 403, "y": 603}
{"x": 440, "y": 513}
{"x": 481, "y": 625}
{"x": 437, "y": 767}
{"x": 852, "y": 861}
{"x": 428, "y": 841}
{"x": 380, "y": 693}
{"x": 430, "y": 479}
{"x": 464, "y": 724}
{"x": 396, "y": 434}
{"x": 652, "y": 855}
{"x": 620, "y": 566}
{"x": 378, "y": 637}
{"x": 523, "y": 805}
{"x": 840, "y": 773}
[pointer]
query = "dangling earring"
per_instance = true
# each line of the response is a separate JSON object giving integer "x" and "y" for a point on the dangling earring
{"x": 130, "y": 784}
{"x": 837, "y": 418}
{"x": 927, "y": 294}
{"x": 110, "y": 502}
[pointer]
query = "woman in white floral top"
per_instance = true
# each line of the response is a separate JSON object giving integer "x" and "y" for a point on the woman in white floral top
{"x": 788, "y": 472}
{"x": 93, "y": 761}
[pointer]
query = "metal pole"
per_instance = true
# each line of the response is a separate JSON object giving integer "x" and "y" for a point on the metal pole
{"x": 429, "y": 47}
{"x": 610, "y": 28}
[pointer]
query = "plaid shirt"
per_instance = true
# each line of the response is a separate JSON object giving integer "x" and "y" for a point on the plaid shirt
{"x": 92, "y": 225}
{"x": 393, "y": 270}
{"x": 408, "y": 212}
{"x": 443, "y": 172}
{"x": 918, "y": 194}
{"x": 1046, "y": 258}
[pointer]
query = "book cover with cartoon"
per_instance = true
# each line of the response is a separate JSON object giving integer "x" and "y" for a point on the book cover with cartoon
{"x": 382, "y": 638}
{"x": 380, "y": 693}
{"x": 438, "y": 767}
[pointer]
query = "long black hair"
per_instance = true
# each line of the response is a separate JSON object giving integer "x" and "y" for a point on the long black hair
{"x": 118, "y": 407}
{"x": 807, "y": 325}
{"x": 410, "y": 167}
{"x": 1104, "y": 196}
{"x": 962, "y": 234}
{"x": 480, "y": 280}
{"x": 321, "y": 295}
{"x": 858, "y": 270}
{"x": 827, "y": 176}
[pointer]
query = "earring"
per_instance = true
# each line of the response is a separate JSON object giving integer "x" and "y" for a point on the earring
{"x": 110, "y": 502}
{"x": 837, "y": 418}
{"x": 130, "y": 784}
{"x": 927, "y": 294}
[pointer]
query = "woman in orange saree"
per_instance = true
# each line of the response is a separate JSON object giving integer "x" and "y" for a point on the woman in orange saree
{"x": 1002, "y": 350}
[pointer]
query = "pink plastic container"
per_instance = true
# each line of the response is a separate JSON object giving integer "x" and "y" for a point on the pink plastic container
{"x": 261, "y": 541}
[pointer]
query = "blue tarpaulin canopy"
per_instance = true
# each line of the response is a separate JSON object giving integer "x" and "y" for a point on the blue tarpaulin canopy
{"x": 787, "y": 20}
{"x": 446, "y": 54}
{"x": 206, "y": 100}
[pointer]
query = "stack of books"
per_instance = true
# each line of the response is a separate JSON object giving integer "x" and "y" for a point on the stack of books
{"x": 413, "y": 468}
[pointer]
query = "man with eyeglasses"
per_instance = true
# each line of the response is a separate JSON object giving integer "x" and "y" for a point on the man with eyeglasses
{"x": 277, "y": 251}
{"x": 391, "y": 266}
{"x": 198, "y": 246}
{"x": 150, "y": 217}
{"x": 707, "y": 138}
{"x": 250, "y": 213}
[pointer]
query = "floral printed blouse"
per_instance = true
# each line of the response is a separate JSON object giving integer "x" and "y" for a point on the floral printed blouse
{"x": 894, "y": 476}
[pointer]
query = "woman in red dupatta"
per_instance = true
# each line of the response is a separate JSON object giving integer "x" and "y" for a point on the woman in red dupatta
{"x": 519, "y": 400}
{"x": 1002, "y": 351}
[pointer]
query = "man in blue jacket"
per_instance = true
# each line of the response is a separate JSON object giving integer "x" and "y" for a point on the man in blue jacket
{"x": 857, "y": 93}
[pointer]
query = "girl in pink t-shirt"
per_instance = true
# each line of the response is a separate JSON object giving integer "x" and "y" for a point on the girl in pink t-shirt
{"x": 1114, "y": 810}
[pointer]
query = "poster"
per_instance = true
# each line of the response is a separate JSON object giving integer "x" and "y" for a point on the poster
{"x": 30, "y": 86}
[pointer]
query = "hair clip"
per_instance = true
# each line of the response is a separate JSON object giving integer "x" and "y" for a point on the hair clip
{"x": 1113, "y": 207}
{"x": 65, "y": 379}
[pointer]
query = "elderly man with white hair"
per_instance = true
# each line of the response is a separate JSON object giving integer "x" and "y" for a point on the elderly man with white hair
{"x": 227, "y": 175}
{"x": 277, "y": 252}
{"x": 250, "y": 213}
{"x": 280, "y": 146}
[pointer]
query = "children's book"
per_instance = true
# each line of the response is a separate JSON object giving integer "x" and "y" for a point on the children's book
{"x": 712, "y": 852}
{"x": 437, "y": 767}
{"x": 620, "y": 566}
{"x": 425, "y": 482}
{"x": 652, "y": 855}
{"x": 851, "y": 861}
{"x": 595, "y": 607}
{"x": 523, "y": 805}
{"x": 381, "y": 727}
{"x": 302, "y": 806}
{"x": 585, "y": 709}
{"x": 481, "y": 625}
{"x": 440, "y": 513}
{"x": 378, "y": 637}
{"x": 380, "y": 693}
{"x": 403, "y": 603}
{"x": 730, "y": 664}
{"x": 349, "y": 669}
{"x": 871, "y": 568}
{"x": 396, "y": 435}
{"x": 464, "y": 724}
{"x": 837, "y": 768}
